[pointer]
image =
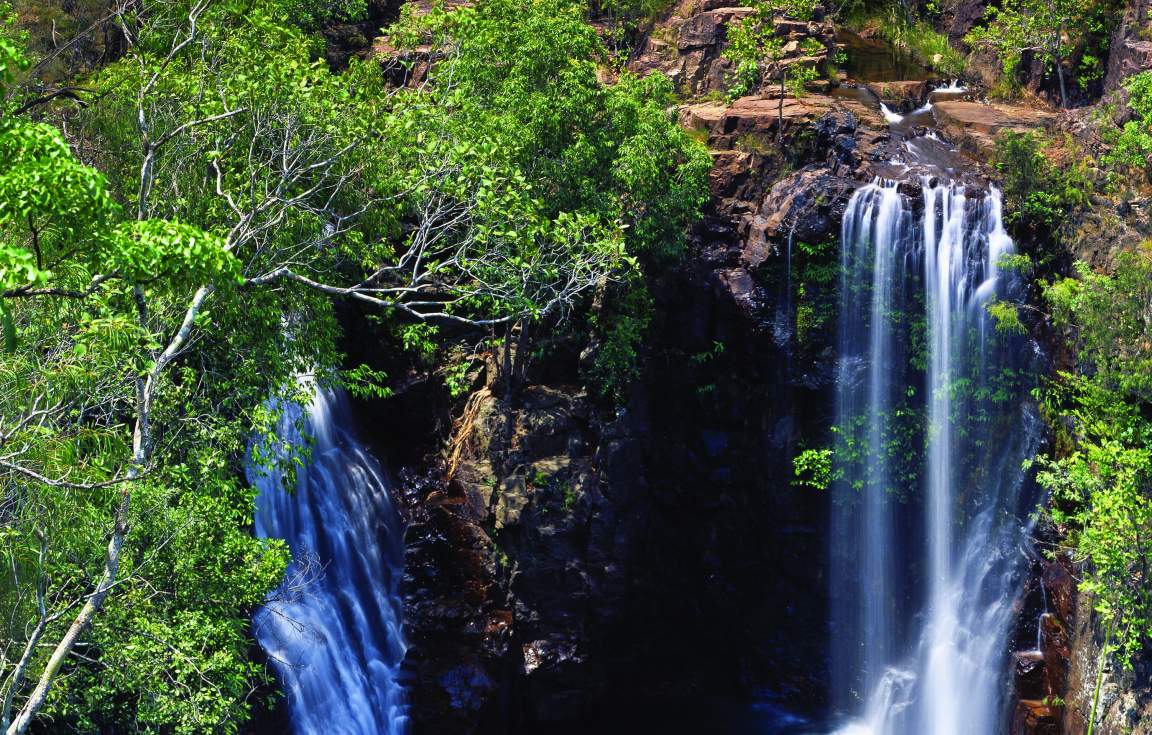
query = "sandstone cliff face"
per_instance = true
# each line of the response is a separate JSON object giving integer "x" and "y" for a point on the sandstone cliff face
{"x": 688, "y": 45}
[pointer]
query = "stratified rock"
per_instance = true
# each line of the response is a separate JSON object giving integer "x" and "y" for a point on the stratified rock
{"x": 688, "y": 45}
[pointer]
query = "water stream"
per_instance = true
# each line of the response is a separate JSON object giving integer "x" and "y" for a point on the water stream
{"x": 334, "y": 636}
{"x": 928, "y": 516}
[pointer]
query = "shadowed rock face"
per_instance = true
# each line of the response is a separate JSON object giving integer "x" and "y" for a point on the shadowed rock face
{"x": 578, "y": 566}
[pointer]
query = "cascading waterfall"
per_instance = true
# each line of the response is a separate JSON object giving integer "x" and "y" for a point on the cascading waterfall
{"x": 926, "y": 517}
{"x": 337, "y": 643}
{"x": 860, "y": 579}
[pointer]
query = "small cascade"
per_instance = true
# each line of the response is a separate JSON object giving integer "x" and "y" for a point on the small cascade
{"x": 783, "y": 325}
{"x": 337, "y": 643}
{"x": 890, "y": 116}
{"x": 1040, "y": 620}
{"x": 928, "y": 518}
{"x": 953, "y": 87}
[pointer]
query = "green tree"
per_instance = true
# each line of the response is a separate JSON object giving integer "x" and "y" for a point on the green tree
{"x": 1101, "y": 481}
{"x": 1039, "y": 194}
{"x": 1052, "y": 29}
{"x": 606, "y": 175}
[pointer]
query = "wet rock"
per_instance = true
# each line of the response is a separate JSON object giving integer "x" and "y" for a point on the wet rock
{"x": 1060, "y": 587}
{"x": 907, "y": 94}
{"x": 804, "y": 206}
{"x": 1033, "y": 717}
{"x": 1028, "y": 669}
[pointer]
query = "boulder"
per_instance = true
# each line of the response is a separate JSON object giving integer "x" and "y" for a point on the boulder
{"x": 908, "y": 94}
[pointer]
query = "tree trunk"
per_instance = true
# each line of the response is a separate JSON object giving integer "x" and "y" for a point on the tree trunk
{"x": 1060, "y": 70}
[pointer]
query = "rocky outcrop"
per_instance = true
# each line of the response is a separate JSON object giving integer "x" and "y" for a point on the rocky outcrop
{"x": 960, "y": 16}
{"x": 1040, "y": 665}
{"x": 1124, "y": 706}
{"x": 975, "y": 125}
{"x": 1107, "y": 228}
{"x": 1130, "y": 50}
{"x": 566, "y": 561}
{"x": 688, "y": 45}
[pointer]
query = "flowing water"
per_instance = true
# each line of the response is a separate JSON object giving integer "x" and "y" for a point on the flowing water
{"x": 333, "y": 632}
{"x": 927, "y": 526}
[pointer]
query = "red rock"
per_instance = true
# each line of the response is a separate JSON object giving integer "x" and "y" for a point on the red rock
{"x": 1036, "y": 717}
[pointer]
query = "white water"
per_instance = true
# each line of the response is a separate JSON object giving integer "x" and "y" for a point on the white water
{"x": 923, "y": 589}
{"x": 891, "y": 117}
{"x": 954, "y": 87}
{"x": 337, "y": 644}
{"x": 895, "y": 118}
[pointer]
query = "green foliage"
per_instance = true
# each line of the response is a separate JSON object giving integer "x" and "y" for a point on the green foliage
{"x": 1131, "y": 146}
{"x": 1110, "y": 314}
{"x": 752, "y": 46}
{"x": 458, "y": 379}
{"x": 96, "y": 285}
{"x": 597, "y": 161}
{"x": 627, "y": 19}
{"x": 620, "y": 328}
{"x": 1038, "y": 194}
{"x": 817, "y": 274}
{"x": 930, "y": 47}
{"x": 13, "y": 59}
{"x": 909, "y": 34}
{"x": 813, "y": 469}
{"x": 756, "y": 50}
{"x": 313, "y": 14}
{"x": 1101, "y": 481}
{"x": 798, "y": 78}
{"x": 149, "y": 318}
{"x": 1007, "y": 317}
{"x": 363, "y": 381}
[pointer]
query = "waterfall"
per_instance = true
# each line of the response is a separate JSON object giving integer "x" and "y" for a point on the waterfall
{"x": 337, "y": 642}
{"x": 927, "y": 515}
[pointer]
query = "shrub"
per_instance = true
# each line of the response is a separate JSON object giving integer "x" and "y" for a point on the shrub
{"x": 1039, "y": 193}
